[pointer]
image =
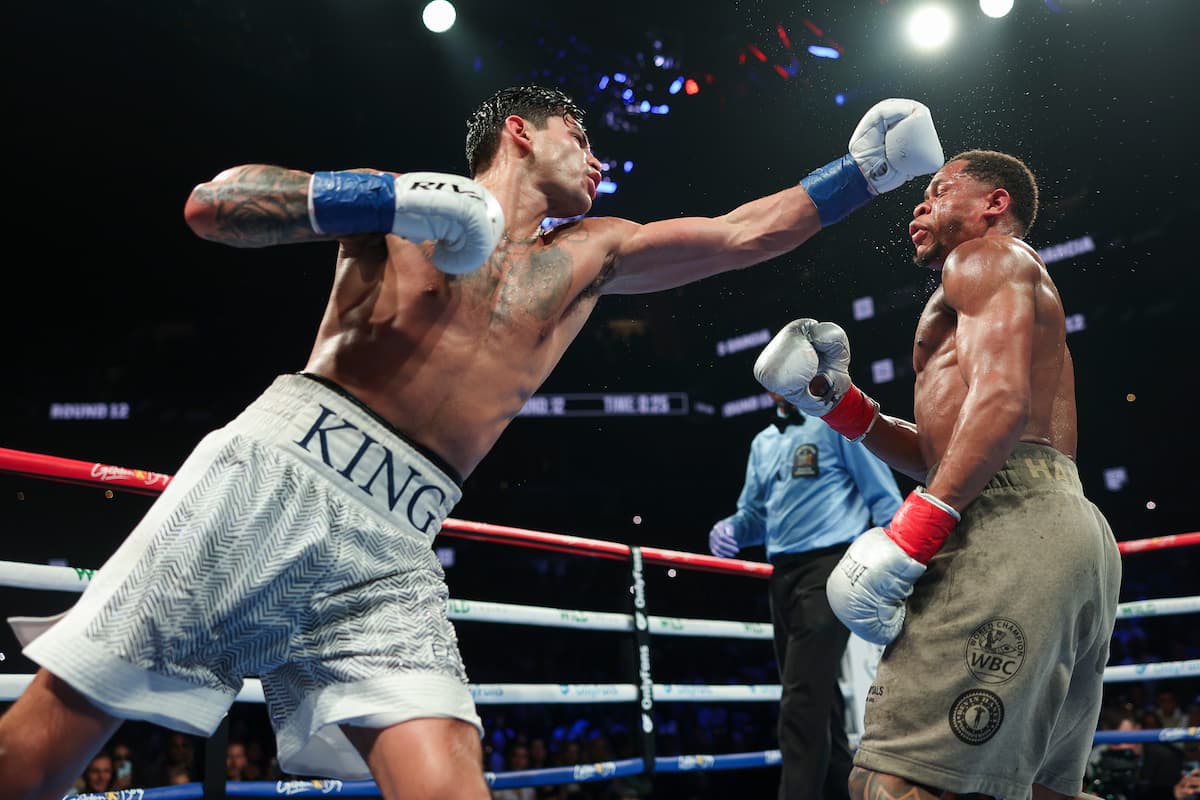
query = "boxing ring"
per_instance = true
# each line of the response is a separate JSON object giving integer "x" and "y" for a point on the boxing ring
{"x": 639, "y": 626}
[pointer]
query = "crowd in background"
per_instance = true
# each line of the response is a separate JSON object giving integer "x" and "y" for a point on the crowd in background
{"x": 525, "y": 738}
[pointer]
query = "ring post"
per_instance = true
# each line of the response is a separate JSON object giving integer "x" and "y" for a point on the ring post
{"x": 214, "y": 761}
{"x": 641, "y": 643}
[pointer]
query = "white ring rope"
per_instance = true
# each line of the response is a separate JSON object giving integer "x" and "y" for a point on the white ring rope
{"x": 485, "y": 694}
{"x": 76, "y": 579}
{"x": 495, "y": 694}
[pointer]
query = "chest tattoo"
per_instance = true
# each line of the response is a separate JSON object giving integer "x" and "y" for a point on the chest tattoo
{"x": 519, "y": 280}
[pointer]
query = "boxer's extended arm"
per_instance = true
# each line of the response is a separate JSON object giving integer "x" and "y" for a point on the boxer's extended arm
{"x": 894, "y": 142}
{"x": 669, "y": 253}
{"x": 991, "y": 286}
{"x": 258, "y": 205}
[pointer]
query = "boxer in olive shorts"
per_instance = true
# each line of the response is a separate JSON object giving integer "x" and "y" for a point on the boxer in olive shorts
{"x": 995, "y": 683}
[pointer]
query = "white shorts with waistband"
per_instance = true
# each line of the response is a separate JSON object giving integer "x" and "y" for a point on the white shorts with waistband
{"x": 293, "y": 545}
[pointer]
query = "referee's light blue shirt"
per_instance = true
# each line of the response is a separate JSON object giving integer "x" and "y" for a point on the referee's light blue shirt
{"x": 807, "y": 488}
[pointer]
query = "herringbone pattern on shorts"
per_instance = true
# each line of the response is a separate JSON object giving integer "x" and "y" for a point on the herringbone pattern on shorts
{"x": 263, "y": 569}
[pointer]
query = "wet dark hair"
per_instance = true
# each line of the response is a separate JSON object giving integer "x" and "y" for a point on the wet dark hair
{"x": 533, "y": 103}
{"x": 1006, "y": 172}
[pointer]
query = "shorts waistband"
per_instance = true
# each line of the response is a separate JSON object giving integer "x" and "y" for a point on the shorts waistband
{"x": 355, "y": 450}
{"x": 1033, "y": 466}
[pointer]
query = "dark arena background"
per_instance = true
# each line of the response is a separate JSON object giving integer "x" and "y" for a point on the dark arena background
{"x": 128, "y": 338}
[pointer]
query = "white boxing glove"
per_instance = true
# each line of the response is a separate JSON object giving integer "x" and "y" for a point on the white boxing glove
{"x": 868, "y": 587}
{"x": 721, "y": 541}
{"x": 811, "y": 361}
{"x": 788, "y": 363}
{"x": 458, "y": 214}
{"x": 894, "y": 141}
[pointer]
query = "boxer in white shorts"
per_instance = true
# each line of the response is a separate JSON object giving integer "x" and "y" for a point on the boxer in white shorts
{"x": 450, "y": 305}
{"x": 294, "y": 544}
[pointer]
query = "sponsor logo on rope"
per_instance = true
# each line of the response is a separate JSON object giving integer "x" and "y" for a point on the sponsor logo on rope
{"x": 106, "y": 472}
{"x": 976, "y": 715}
{"x": 995, "y": 651}
{"x": 587, "y": 772}
{"x": 585, "y": 690}
{"x": 308, "y": 787}
{"x": 83, "y": 573}
{"x": 124, "y": 794}
{"x": 695, "y": 762}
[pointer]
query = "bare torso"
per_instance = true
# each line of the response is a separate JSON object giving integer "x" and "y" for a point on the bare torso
{"x": 941, "y": 389}
{"x": 450, "y": 360}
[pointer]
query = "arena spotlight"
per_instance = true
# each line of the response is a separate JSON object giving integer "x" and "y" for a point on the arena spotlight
{"x": 438, "y": 16}
{"x": 995, "y": 8}
{"x": 930, "y": 26}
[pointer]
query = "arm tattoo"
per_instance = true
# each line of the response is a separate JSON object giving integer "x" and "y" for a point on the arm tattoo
{"x": 260, "y": 206}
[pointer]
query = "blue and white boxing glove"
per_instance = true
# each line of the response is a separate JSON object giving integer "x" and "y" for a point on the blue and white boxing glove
{"x": 869, "y": 586}
{"x": 459, "y": 215}
{"x": 721, "y": 540}
{"x": 894, "y": 142}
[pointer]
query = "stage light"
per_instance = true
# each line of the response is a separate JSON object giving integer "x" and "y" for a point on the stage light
{"x": 840, "y": 99}
{"x": 930, "y": 27}
{"x": 995, "y": 8}
{"x": 691, "y": 87}
{"x": 675, "y": 86}
{"x": 438, "y": 16}
{"x": 823, "y": 52}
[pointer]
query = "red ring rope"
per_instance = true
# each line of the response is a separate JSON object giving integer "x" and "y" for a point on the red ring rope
{"x": 69, "y": 470}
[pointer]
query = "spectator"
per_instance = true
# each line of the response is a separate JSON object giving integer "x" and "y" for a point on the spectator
{"x": 122, "y": 766}
{"x": 1134, "y": 770}
{"x": 98, "y": 777}
{"x": 235, "y": 761}
{"x": 516, "y": 761}
{"x": 1188, "y": 787}
{"x": 1169, "y": 712}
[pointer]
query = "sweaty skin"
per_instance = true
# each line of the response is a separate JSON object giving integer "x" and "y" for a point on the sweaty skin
{"x": 992, "y": 368}
{"x": 990, "y": 355}
{"x": 450, "y": 360}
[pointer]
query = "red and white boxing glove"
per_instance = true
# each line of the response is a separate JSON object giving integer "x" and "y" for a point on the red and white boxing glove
{"x": 807, "y": 355}
{"x": 869, "y": 586}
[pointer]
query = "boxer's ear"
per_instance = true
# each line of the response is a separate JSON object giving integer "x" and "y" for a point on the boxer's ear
{"x": 517, "y": 129}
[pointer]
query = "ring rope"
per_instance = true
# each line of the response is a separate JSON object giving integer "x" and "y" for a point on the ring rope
{"x": 75, "y": 579}
{"x": 580, "y": 773}
{"x": 55, "y": 468}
